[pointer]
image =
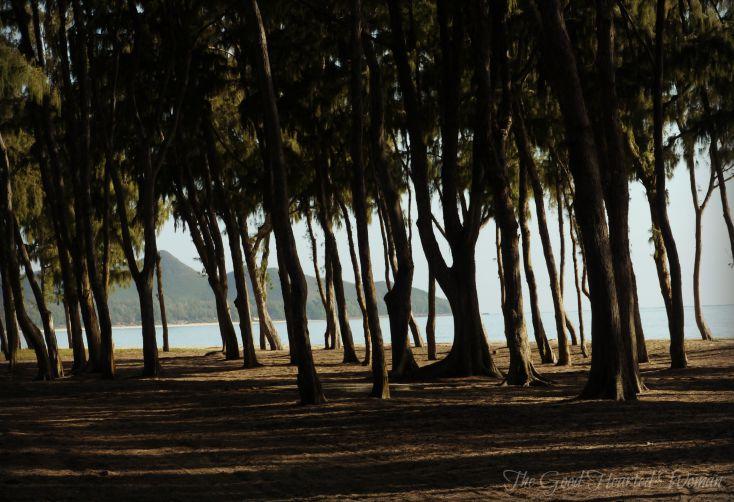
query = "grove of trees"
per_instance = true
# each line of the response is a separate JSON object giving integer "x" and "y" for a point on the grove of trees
{"x": 248, "y": 116}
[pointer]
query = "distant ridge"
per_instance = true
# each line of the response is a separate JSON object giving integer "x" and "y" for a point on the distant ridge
{"x": 189, "y": 298}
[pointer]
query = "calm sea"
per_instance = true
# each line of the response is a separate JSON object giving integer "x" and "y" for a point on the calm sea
{"x": 720, "y": 319}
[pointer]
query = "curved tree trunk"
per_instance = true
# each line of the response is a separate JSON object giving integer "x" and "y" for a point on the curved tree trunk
{"x": 350, "y": 355}
{"x": 562, "y": 271}
{"x": 4, "y": 342}
{"x": 57, "y": 368}
{"x": 678, "y": 357}
{"x": 610, "y": 376}
{"x": 268, "y": 332}
{"x": 541, "y": 340}
{"x": 579, "y": 304}
{"x": 398, "y": 255}
{"x": 500, "y": 267}
{"x": 357, "y": 283}
{"x": 11, "y": 324}
{"x": 524, "y": 149}
{"x": 642, "y": 356}
{"x": 309, "y": 385}
{"x": 161, "y": 302}
{"x": 324, "y": 289}
{"x": 380, "y": 384}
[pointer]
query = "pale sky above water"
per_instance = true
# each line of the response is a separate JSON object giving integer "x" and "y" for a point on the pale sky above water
{"x": 717, "y": 274}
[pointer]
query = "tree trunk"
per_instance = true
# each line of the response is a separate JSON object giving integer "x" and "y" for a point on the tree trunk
{"x": 396, "y": 244}
{"x": 242, "y": 301}
{"x": 431, "y": 321}
{"x": 324, "y": 289}
{"x": 500, "y": 268}
{"x": 610, "y": 376}
{"x": 308, "y": 381}
{"x": 698, "y": 209}
{"x": 4, "y": 342}
{"x": 524, "y": 149}
{"x": 151, "y": 365}
{"x": 161, "y": 302}
{"x": 678, "y": 357}
{"x": 642, "y": 356}
{"x": 562, "y": 270}
{"x": 579, "y": 304}
{"x": 268, "y": 333}
{"x": 415, "y": 330}
{"x": 350, "y": 355}
{"x": 716, "y": 164}
{"x": 541, "y": 340}
{"x": 380, "y": 384}
{"x": 357, "y": 283}
{"x": 11, "y": 324}
{"x": 56, "y": 366}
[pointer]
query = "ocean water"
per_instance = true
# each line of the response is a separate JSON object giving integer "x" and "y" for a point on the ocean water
{"x": 720, "y": 319}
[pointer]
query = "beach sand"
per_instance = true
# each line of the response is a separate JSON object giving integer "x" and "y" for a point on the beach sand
{"x": 210, "y": 430}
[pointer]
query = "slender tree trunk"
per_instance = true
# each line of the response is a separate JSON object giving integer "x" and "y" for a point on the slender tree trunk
{"x": 144, "y": 285}
{"x": 350, "y": 355}
{"x": 396, "y": 244}
{"x": 642, "y": 356}
{"x": 4, "y": 342}
{"x": 324, "y": 291}
{"x": 541, "y": 340}
{"x": 579, "y": 304}
{"x": 268, "y": 332}
{"x": 716, "y": 164}
{"x": 678, "y": 357}
{"x": 524, "y": 149}
{"x": 380, "y": 384}
{"x": 308, "y": 381}
{"x": 431, "y": 321}
{"x": 56, "y": 366}
{"x": 698, "y": 209}
{"x": 161, "y": 302}
{"x": 500, "y": 268}
{"x": 242, "y": 301}
{"x": 357, "y": 283}
{"x": 610, "y": 376}
{"x": 562, "y": 271}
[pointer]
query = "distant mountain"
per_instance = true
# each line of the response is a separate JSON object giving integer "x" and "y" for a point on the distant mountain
{"x": 189, "y": 298}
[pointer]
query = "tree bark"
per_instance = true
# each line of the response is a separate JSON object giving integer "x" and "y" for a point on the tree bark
{"x": 11, "y": 323}
{"x": 268, "y": 332}
{"x": 610, "y": 376}
{"x": 562, "y": 270}
{"x": 161, "y": 302}
{"x": 523, "y": 146}
{"x": 398, "y": 255}
{"x": 541, "y": 340}
{"x": 380, "y": 384}
{"x": 579, "y": 304}
{"x": 4, "y": 342}
{"x": 324, "y": 289}
{"x": 308, "y": 381}
{"x": 431, "y": 321}
{"x": 357, "y": 283}
{"x": 678, "y": 357}
{"x": 57, "y": 367}
{"x": 469, "y": 354}
{"x": 350, "y": 354}
{"x": 698, "y": 209}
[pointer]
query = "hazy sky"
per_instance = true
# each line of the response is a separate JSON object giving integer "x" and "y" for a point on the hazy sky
{"x": 717, "y": 274}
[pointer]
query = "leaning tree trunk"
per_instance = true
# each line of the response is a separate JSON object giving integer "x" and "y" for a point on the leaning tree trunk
{"x": 161, "y": 302}
{"x": 380, "y": 384}
{"x": 500, "y": 267}
{"x": 324, "y": 289}
{"x": 4, "y": 342}
{"x": 541, "y": 340}
{"x": 610, "y": 376}
{"x": 576, "y": 282}
{"x": 350, "y": 354}
{"x": 562, "y": 252}
{"x": 357, "y": 283}
{"x": 642, "y": 356}
{"x": 308, "y": 381}
{"x": 490, "y": 141}
{"x": 523, "y": 146}
{"x": 268, "y": 333}
{"x": 678, "y": 357}
{"x": 57, "y": 367}
{"x": 242, "y": 301}
{"x": 398, "y": 255}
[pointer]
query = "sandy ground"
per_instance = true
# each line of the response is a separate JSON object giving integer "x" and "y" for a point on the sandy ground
{"x": 209, "y": 430}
